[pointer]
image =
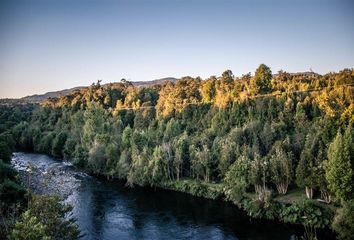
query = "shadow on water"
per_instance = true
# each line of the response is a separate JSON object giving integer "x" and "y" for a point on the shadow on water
{"x": 109, "y": 210}
{"x": 159, "y": 214}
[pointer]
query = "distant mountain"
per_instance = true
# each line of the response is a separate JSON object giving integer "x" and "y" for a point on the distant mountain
{"x": 40, "y": 97}
{"x": 37, "y": 98}
{"x": 154, "y": 82}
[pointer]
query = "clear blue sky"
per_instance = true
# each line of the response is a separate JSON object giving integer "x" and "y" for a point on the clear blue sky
{"x": 55, "y": 44}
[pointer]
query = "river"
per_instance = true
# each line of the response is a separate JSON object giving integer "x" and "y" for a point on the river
{"x": 109, "y": 210}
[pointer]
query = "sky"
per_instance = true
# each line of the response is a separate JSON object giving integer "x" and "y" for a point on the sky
{"x": 48, "y": 45}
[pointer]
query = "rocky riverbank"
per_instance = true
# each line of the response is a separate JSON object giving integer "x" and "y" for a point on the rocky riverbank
{"x": 46, "y": 175}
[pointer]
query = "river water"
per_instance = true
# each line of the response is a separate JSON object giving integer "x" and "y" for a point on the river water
{"x": 109, "y": 210}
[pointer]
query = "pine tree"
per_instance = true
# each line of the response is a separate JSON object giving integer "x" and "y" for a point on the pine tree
{"x": 305, "y": 172}
{"x": 339, "y": 172}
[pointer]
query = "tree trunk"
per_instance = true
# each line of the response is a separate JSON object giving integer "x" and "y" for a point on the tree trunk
{"x": 309, "y": 192}
{"x": 325, "y": 195}
{"x": 258, "y": 188}
{"x": 282, "y": 188}
{"x": 177, "y": 173}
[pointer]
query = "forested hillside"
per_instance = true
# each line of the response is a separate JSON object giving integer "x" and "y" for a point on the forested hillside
{"x": 265, "y": 142}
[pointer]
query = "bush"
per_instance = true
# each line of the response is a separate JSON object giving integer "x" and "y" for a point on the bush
{"x": 196, "y": 188}
{"x": 343, "y": 222}
{"x": 308, "y": 214}
{"x": 45, "y": 219}
{"x": 11, "y": 192}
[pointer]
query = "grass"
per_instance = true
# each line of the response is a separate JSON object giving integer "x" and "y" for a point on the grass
{"x": 298, "y": 195}
{"x": 292, "y": 196}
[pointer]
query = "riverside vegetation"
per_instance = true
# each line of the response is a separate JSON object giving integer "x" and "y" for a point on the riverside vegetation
{"x": 23, "y": 214}
{"x": 278, "y": 146}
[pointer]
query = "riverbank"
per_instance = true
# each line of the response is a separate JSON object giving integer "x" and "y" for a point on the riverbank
{"x": 292, "y": 208}
{"x": 107, "y": 209}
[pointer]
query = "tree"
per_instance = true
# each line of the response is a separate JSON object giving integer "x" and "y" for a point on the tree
{"x": 139, "y": 171}
{"x": 310, "y": 160}
{"x": 322, "y": 183}
{"x": 343, "y": 222}
{"x": 203, "y": 157}
{"x": 58, "y": 144}
{"x": 172, "y": 130}
{"x": 112, "y": 153}
{"x": 261, "y": 82}
{"x": 305, "y": 172}
{"x": 124, "y": 164}
{"x": 226, "y": 80}
{"x": 157, "y": 166}
{"x": 281, "y": 168}
{"x": 226, "y": 155}
{"x": 5, "y": 152}
{"x": 97, "y": 157}
{"x": 349, "y": 145}
{"x": 208, "y": 90}
{"x": 29, "y": 228}
{"x": 258, "y": 173}
{"x": 339, "y": 172}
{"x": 45, "y": 219}
{"x": 11, "y": 191}
{"x": 200, "y": 159}
{"x": 237, "y": 178}
{"x": 181, "y": 154}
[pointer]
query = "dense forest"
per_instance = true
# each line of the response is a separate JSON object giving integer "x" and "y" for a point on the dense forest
{"x": 280, "y": 146}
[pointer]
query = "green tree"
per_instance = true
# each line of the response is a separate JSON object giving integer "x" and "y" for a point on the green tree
{"x": 208, "y": 90}
{"x": 343, "y": 222}
{"x": 97, "y": 157}
{"x": 10, "y": 189}
{"x": 158, "y": 167}
{"x": 281, "y": 168}
{"x": 124, "y": 164}
{"x": 261, "y": 82}
{"x": 305, "y": 172}
{"x": 5, "y": 152}
{"x": 181, "y": 154}
{"x": 258, "y": 173}
{"x": 339, "y": 173}
{"x": 237, "y": 178}
{"x": 349, "y": 144}
{"x": 45, "y": 219}
{"x": 29, "y": 228}
{"x": 58, "y": 144}
{"x": 139, "y": 171}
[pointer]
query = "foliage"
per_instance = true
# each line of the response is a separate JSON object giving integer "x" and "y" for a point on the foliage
{"x": 237, "y": 179}
{"x": 281, "y": 168}
{"x": 339, "y": 169}
{"x": 196, "y": 188}
{"x": 45, "y": 219}
{"x": 261, "y": 82}
{"x": 247, "y": 135}
{"x": 343, "y": 222}
{"x": 29, "y": 228}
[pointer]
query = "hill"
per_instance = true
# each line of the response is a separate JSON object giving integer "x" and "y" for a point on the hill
{"x": 37, "y": 98}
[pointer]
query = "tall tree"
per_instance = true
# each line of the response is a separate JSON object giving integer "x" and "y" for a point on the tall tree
{"x": 305, "y": 173}
{"x": 339, "y": 172}
{"x": 281, "y": 168}
{"x": 261, "y": 82}
{"x": 237, "y": 178}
